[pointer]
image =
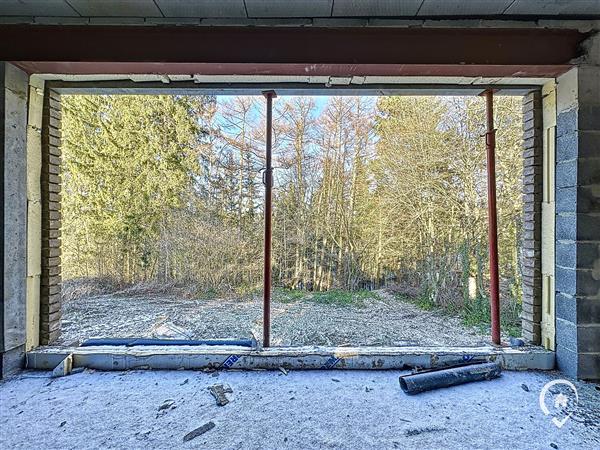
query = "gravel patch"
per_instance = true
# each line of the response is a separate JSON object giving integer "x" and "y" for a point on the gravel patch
{"x": 382, "y": 320}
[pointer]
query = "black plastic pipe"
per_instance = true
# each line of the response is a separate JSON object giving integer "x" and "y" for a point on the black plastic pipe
{"x": 435, "y": 379}
{"x": 130, "y": 342}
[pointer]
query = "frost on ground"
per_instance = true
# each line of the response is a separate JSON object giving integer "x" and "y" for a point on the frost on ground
{"x": 381, "y": 319}
{"x": 271, "y": 410}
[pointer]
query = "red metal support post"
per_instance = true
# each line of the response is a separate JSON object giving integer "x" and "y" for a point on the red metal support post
{"x": 490, "y": 143}
{"x": 268, "y": 182}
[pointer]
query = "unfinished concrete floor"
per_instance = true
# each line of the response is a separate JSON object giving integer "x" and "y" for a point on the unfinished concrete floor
{"x": 270, "y": 410}
{"x": 381, "y": 320}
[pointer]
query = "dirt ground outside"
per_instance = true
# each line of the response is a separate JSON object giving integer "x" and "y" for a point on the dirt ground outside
{"x": 377, "y": 319}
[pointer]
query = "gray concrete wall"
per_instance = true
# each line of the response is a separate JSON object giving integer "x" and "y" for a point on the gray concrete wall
{"x": 14, "y": 87}
{"x": 578, "y": 222}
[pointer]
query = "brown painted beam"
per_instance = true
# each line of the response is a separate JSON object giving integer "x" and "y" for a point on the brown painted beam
{"x": 308, "y": 45}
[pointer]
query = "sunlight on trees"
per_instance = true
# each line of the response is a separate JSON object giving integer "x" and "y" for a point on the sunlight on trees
{"x": 368, "y": 193}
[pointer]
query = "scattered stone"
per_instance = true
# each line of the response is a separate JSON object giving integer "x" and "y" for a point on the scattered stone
{"x": 218, "y": 391}
{"x": 369, "y": 389}
{"x": 417, "y": 431}
{"x": 525, "y": 387}
{"x": 516, "y": 342}
{"x": 169, "y": 403}
{"x": 553, "y": 445}
{"x": 62, "y": 424}
{"x": 283, "y": 371}
{"x": 199, "y": 431}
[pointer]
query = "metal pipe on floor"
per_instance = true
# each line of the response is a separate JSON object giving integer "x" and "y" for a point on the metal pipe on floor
{"x": 268, "y": 182}
{"x": 435, "y": 379}
{"x": 490, "y": 143}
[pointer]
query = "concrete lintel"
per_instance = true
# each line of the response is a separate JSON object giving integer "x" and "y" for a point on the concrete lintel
{"x": 296, "y": 358}
{"x": 191, "y": 88}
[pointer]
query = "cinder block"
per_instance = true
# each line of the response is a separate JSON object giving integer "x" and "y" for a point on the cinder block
{"x": 566, "y": 334}
{"x": 566, "y": 280}
{"x": 588, "y": 338}
{"x": 588, "y": 283}
{"x": 588, "y": 144}
{"x": 588, "y": 256}
{"x": 566, "y": 227}
{"x": 588, "y": 227}
{"x": 566, "y": 254}
{"x": 566, "y": 122}
{"x": 566, "y": 174}
{"x": 567, "y": 147}
{"x": 566, "y": 200}
{"x": 589, "y": 117}
{"x": 588, "y": 171}
{"x": 588, "y": 310}
{"x": 566, "y": 361}
{"x": 566, "y": 307}
{"x": 588, "y": 199}
{"x": 589, "y": 367}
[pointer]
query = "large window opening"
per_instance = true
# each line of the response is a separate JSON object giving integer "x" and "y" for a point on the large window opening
{"x": 379, "y": 218}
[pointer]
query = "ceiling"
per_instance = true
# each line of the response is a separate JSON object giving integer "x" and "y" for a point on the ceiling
{"x": 256, "y": 9}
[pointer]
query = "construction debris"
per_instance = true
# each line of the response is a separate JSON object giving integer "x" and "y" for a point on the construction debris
{"x": 283, "y": 371}
{"x": 169, "y": 403}
{"x": 516, "y": 342}
{"x": 438, "y": 378}
{"x": 64, "y": 368}
{"x": 218, "y": 391}
{"x": 199, "y": 431}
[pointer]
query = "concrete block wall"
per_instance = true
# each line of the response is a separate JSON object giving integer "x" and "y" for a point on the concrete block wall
{"x": 14, "y": 90}
{"x": 50, "y": 288}
{"x": 532, "y": 203}
{"x": 578, "y": 223}
{"x": 34, "y": 209}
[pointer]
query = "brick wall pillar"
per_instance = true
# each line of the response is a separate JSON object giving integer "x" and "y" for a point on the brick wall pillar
{"x": 532, "y": 204}
{"x": 50, "y": 295}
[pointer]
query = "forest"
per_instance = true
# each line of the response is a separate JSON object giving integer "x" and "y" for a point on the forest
{"x": 370, "y": 193}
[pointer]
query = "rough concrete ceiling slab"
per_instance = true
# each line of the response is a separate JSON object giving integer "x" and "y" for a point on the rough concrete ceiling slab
{"x": 377, "y": 8}
{"x": 116, "y": 8}
{"x": 36, "y": 7}
{"x": 297, "y": 8}
{"x": 256, "y": 9}
{"x": 202, "y": 8}
{"x": 548, "y": 7}
{"x": 462, "y": 8}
